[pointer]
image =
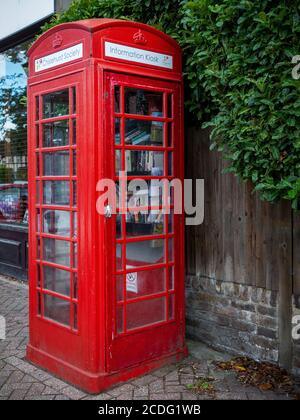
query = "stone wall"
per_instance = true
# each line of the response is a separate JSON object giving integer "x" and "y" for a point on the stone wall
{"x": 239, "y": 319}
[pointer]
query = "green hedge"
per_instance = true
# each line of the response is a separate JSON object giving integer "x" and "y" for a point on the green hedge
{"x": 237, "y": 65}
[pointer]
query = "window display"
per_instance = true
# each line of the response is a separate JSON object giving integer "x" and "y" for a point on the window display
{"x": 145, "y": 246}
{"x": 13, "y": 135}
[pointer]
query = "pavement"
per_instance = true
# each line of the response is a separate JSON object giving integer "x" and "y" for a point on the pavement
{"x": 195, "y": 378}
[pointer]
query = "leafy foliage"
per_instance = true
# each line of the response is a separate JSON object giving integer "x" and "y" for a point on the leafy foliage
{"x": 238, "y": 78}
{"x": 6, "y": 175}
{"x": 13, "y": 105}
{"x": 263, "y": 375}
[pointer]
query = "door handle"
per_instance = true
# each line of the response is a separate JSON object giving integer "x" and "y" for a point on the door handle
{"x": 108, "y": 212}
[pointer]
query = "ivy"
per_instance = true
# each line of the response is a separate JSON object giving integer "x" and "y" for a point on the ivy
{"x": 237, "y": 67}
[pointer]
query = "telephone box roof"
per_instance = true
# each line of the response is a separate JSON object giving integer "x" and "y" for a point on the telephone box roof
{"x": 95, "y": 25}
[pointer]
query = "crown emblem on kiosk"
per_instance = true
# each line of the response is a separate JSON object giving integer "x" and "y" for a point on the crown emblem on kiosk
{"x": 139, "y": 38}
{"x": 57, "y": 41}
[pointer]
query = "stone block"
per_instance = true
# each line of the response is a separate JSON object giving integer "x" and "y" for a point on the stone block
{"x": 267, "y": 332}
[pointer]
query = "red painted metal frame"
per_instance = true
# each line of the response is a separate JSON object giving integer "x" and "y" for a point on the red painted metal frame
{"x": 91, "y": 354}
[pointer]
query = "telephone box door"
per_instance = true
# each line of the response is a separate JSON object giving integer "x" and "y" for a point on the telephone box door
{"x": 143, "y": 135}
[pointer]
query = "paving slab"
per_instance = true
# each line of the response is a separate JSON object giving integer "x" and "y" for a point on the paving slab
{"x": 19, "y": 380}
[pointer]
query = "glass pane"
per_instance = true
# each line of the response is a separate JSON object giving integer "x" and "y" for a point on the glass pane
{"x": 141, "y": 133}
{"x": 75, "y": 286}
{"x": 138, "y": 224}
{"x": 171, "y": 196}
{"x": 39, "y": 308}
{"x": 117, "y": 131}
{"x": 119, "y": 226}
{"x": 146, "y": 312}
{"x": 171, "y": 221}
{"x": 74, "y": 162}
{"x": 119, "y": 257}
{"x": 37, "y": 156}
{"x": 171, "y": 278}
{"x": 38, "y": 220}
{"x": 74, "y": 225}
{"x": 170, "y": 135}
{"x": 171, "y": 309}
{"x": 56, "y": 104}
{"x": 120, "y": 288}
{"x": 117, "y": 99}
{"x": 21, "y": 213}
{"x": 56, "y": 134}
{"x": 143, "y": 162}
{"x": 38, "y": 248}
{"x": 170, "y": 108}
{"x": 57, "y": 309}
{"x": 74, "y": 132}
{"x": 56, "y": 192}
{"x": 13, "y": 133}
{"x": 56, "y": 164}
{"x": 37, "y": 108}
{"x": 120, "y": 194}
{"x": 56, "y": 251}
{"x": 57, "y": 280}
{"x": 74, "y": 193}
{"x": 118, "y": 161}
{"x": 170, "y": 164}
{"x": 75, "y": 256}
{"x": 143, "y": 283}
{"x": 56, "y": 222}
{"x": 75, "y": 311}
{"x": 38, "y": 275}
{"x": 37, "y": 136}
{"x": 37, "y": 192}
{"x": 141, "y": 193}
{"x": 143, "y": 102}
{"x": 171, "y": 250}
{"x": 120, "y": 319}
{"x": 145, "y": 253}
{"x": 74, "y": 100}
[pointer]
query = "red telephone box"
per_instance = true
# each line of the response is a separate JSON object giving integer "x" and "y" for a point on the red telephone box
{"x": 106, "y": 290}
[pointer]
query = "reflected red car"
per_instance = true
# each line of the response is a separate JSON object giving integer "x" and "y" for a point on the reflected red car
{"x": 13, "y": 202}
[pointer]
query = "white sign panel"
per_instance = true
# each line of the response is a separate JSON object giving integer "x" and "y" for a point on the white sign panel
{"x": 61, "y": 57}
{"x": 137, "y": 55}
{"x": 132, "y": 282}
{"x": 19, "y": 14}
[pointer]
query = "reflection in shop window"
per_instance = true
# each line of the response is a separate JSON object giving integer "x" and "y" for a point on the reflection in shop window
{"x": 13, "y": 135}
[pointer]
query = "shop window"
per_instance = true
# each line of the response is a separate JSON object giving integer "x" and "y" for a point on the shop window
{"x": 13, "y": 135}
